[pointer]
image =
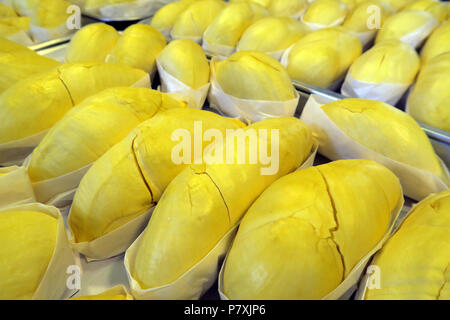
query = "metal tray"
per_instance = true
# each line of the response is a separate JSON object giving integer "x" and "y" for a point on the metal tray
{"x": 121, "y": 19}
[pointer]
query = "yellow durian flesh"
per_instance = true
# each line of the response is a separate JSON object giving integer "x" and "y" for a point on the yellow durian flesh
{"x": 262, "y": 3}
{"x": 92, "y": 43}
{"x": 11, "y": 26}
{"x": 255, "y": 76}
{"x": 138, "y": 47}
{"x": 321, "y": 57}
{"x": 129, "y": 178}
{"x": 437, "y": 8}
{"x": 271, "y": 34}
{"x": 92, "y": 127}
{"x": 325, "y": 12}
{"x": 8, "y": 46}
{"x": 385, "y": 130}
{"x": 205, "y": 201}
{"x": 414, "y": 263}
{"x": 307, "y": 231}
{"x": 287, "y": 8}
{"x": 429, "y": 101}
{"x": 391, "y": 61}
{"x": 437, "y": 43}
{"x": 165, "y": 18}
{"x": 185, "y": 60}
{"x": 51, "y": 13}
{"x": 51, "y": 94}
{"x": 402, "y": 24}
{"x": 15, "y": 66}
{"x": 28, "y": 241}
{"x": 6, "y": 11}
{"x": 398, "y": 4}
{"x": 193, "y": 22}
{"x": 358, "y": 20}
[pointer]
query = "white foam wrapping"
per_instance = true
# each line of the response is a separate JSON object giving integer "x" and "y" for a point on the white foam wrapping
{"x": 193, "y": 38}
{"x": 416, "y": 37}
{"x": 132, "y": 10}
{"x": 386, "y": 92}
{"x": 217, "y": 49}
{"x": 317, "y": 26}
{"x": 199, "y": 278}
{"x": 195, "y": 98}
{"x": 22, "y": 37}
{"x": 350, "y": 283}
{"x": 40, "y": 34}
{"x": 335, "y": 145}
{"x": 248, "y": 110}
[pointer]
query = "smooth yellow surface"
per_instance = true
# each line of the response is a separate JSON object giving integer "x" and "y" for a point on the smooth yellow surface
{"x": 165, "y": 18}
{"x": 325, "y": 12}
{"x": 115, "y": 293}
{"x": 93, "y": 4}
{"x": 28, "y": 240}
{"x": 272, "y": 34}
{"x": 437, "y": 8}
{"x": 91, "y": 128}
{"x": 12, "y": 25}
{"x": 16, "y": 66}
{"x": 129, "y": 178}
{"x": 391, "y": 61}
{"x": 437, "y": 43}
{"x": 185, "y": 60}
{"x": 6, "y": 11}
{"x": 398, "y": 4}
{"x": 287, "y": 8}
{"x": 205, "y": 201}
{"x": 429, "y": 101}
{"x": 35, "y": 104}
{"x": 255, "y": 76}
{"x": 92, "y": 43}
{"x": 7, "y": 46}
{"x": 307, "y": 231}
{"x": 321, "y": 57}
{"x": 361, "y": 18}
{"x": 414, "y": 264}
{"x": 193, "y": 22}
{"x": 229, "y": 25}
{"x": 385, "y": 130}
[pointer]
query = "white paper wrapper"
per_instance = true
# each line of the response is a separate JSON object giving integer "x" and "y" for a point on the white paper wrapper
{"x": 22, "y": 37}
{"x": 117, "y": 290}
{"x": 366, "y": 37}
{"x": 132, "y": 10}
{"x": 15, "y": 187}
{"x": 335, "y": 144}
{"x": 316, "y": 26}
{"x": 195, "y": 39}
{"x": 416, "y": 38}
{"x": 53, "y": 284}
{"x": 386, "y": 92}
{"x": 217, "y": 49}
{"x": 114, "y": 242}
{"x": 195, "y": 98}
{"x": 349, "y": 285}
{"x": 248, "y": 110}
{"x": 40, "y": 34}
{"x": 198, "y": 279}
{"x": 299, "y": 15}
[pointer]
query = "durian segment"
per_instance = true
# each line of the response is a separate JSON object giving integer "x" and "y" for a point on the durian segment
{"x": 303, "y": 236}
{"x": 429, "y": 101}
{"x": 414, "y": 264}
{"x": 7, "y": 11}
{"x": 437, "y": 43}
{"x": 13, "y": 25}
{"x": 92, "y": 127}
{"x": 138, "y": 47}
{"x": 205, "y": 201}
{"x": 321, "y": 57}
{"x": 50, "y": 13}
{"x": 366, "y": 16}
{"x": 287, "y": 8}
{"x": 385, "y": 130}
{"x": 391, "y": 61}
{"x": 28, "y": 242}
{"x": 129, "y": 178}
{"x": 35, "y": 104}
{"x": 165, "y": 18}
{"x": 272, "y": 34}
{"x": 326, "y": 12}
{"x": 193, "y": 22}
{"x": 255, "y": 76}
{"x": 92, "y": 43}
{"x": 437, "y": 8}
{"x": 8, "y": 46}
{"x": 185, "y": 60}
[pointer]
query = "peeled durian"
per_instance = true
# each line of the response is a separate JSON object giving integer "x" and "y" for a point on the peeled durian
{"x": 28, "y": 241}
{"x": 204, "y": 202}
{"x": 385, "y": 130}
{"x": 287, "y": 8}
{"x": 429, "y": 101}
{"x": 255, "y": 76}
{"x": 165, "y": 18}
{"x": 272, "y": 34}
{"x": 229, "y": 25}
{"x": 138, "y": 47}
{"x": 414, "y": 263}
{"x": 35, "y": 104}
{"x": 92, "y": 127}
{"x": 92, "y": 43}
{"x": 13, "y": 25}
{"x": 401, "y": 25}
{"x": 25, "y": 7}
{"x": 437, "y": 8}
{"x": 192, "y": 23}
{"x": 50, "y": 13}
{"x": 130, "y": 177}
{"x": 321, "y": 57}
{"x": 6, "y": 11}
{"x": 325, "y": 13}
{"x": 7, "y": 46}
{"x": 437, "y": 43}
{"x": 263, "y": 3}
{"x": 116, "y": 293}
{"x": 185, "y": 60}
{"x": 19, "y": 65}
{"x": 390, "y": 62}
{"x": 398, "y": 4}
{"x": 361, "y": 19}
{"x": 306, "y": 232}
